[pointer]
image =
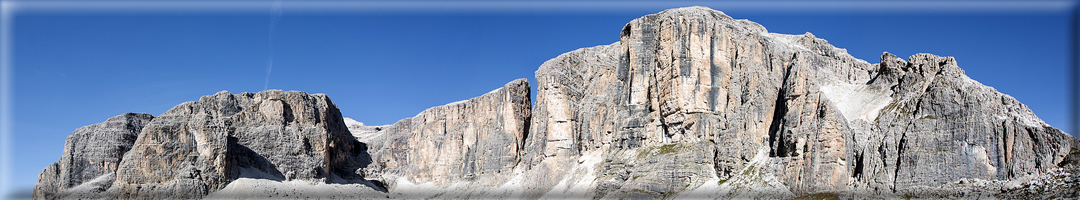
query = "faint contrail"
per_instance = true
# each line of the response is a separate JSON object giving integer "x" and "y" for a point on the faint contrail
{"x": 275, "y": 16}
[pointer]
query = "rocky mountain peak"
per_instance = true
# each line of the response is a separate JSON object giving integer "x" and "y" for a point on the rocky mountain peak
{"x": 689, "y": 103}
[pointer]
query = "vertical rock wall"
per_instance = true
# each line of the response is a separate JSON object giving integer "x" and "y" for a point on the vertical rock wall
{"x": 827, "y": 121}
{"x": 198, "y": 147}
{"x": 479, "y": 141}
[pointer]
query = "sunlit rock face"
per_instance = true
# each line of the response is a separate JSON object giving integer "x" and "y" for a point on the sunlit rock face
{"x": 689, "y": 103}
{"x": 801, "y": 114}
{"x": 478, "y": 140}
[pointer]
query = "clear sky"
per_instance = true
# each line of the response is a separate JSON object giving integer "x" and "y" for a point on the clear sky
{"x": 80, "y": 65}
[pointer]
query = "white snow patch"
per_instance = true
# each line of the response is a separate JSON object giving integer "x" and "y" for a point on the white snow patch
{"x": 361, "y": 132}
{"x": 444, "y": 105}
{"x": 92, "y": 185}
{"x": 350, "y": 122}
{"x": 253, "y": 188}
{"x": 495, "y": 90}
{"x": 463, "y": 101}
{"x": 408, "y": 189}
{"x": 456, "y": 102}
{"x": 256, "y": 184}
{"x": 857, "y": 101}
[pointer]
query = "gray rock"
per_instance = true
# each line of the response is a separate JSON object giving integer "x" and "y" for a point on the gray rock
{"x": 950, "y": 127}
{"x": 690, "y": 103}
{"x": 828, "y": 121}
{"x": 684, "y": 76}
{"x": 475, "y": 141}
{"x": 199, "y": 147}
{"x": 1059, "y": 183}
{"x": 571, "y": 118}
{"x": 91, "y": 156}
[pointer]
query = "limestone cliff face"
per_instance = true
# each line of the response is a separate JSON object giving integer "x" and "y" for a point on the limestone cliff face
{"x": 689, "y": 103}
{"x": 91, "y": 156}
{"x": 475, "y": 141}
{"x": 791, "y": 107}
{"x": 199, "y": 147}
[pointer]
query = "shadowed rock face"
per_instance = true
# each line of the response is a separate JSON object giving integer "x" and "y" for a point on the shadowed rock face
{"x": 689, "y": 103}
{"x": 199, "y": 147}
{"x": 91, "y": 156}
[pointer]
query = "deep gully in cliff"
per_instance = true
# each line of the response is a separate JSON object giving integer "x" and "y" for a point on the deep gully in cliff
{"x": 777, "y": 140}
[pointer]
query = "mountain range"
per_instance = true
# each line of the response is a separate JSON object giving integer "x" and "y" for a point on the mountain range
{"x": 689, "y": 103}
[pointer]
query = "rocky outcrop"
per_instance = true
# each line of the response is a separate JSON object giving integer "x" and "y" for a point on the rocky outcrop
{"x": 690, "y": 103}
{"x": 200, "y": 147}
{"x": 789, "y": 106}
{"x": 91, "y": 156}
{"x": 945, "y": 126}
{"x": 475, "y": 141}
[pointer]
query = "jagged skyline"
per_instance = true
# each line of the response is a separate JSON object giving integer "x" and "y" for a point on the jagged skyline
{"x": 446, "y": 70}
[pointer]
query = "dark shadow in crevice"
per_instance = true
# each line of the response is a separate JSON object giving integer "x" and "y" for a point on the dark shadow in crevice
{"x": 252, "y": 165}
{"x": 361, "y": 160}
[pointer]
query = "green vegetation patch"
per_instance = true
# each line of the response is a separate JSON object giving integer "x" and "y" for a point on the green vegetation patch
{"x": 640, "y": 191}
{"x": 668, "y": 149}
{"x": 645, "y": 152}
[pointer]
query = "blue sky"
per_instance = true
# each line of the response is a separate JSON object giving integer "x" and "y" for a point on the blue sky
{"x": 75, "y": 66}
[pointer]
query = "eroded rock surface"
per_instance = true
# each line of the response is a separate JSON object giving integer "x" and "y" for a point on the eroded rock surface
{"x": 476, "y": 141}
{"x": 689, "y": 103}
{"x": 827, "y": 121}
{"x": 91, "y": 156}
{"x": 199, "y": 147}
